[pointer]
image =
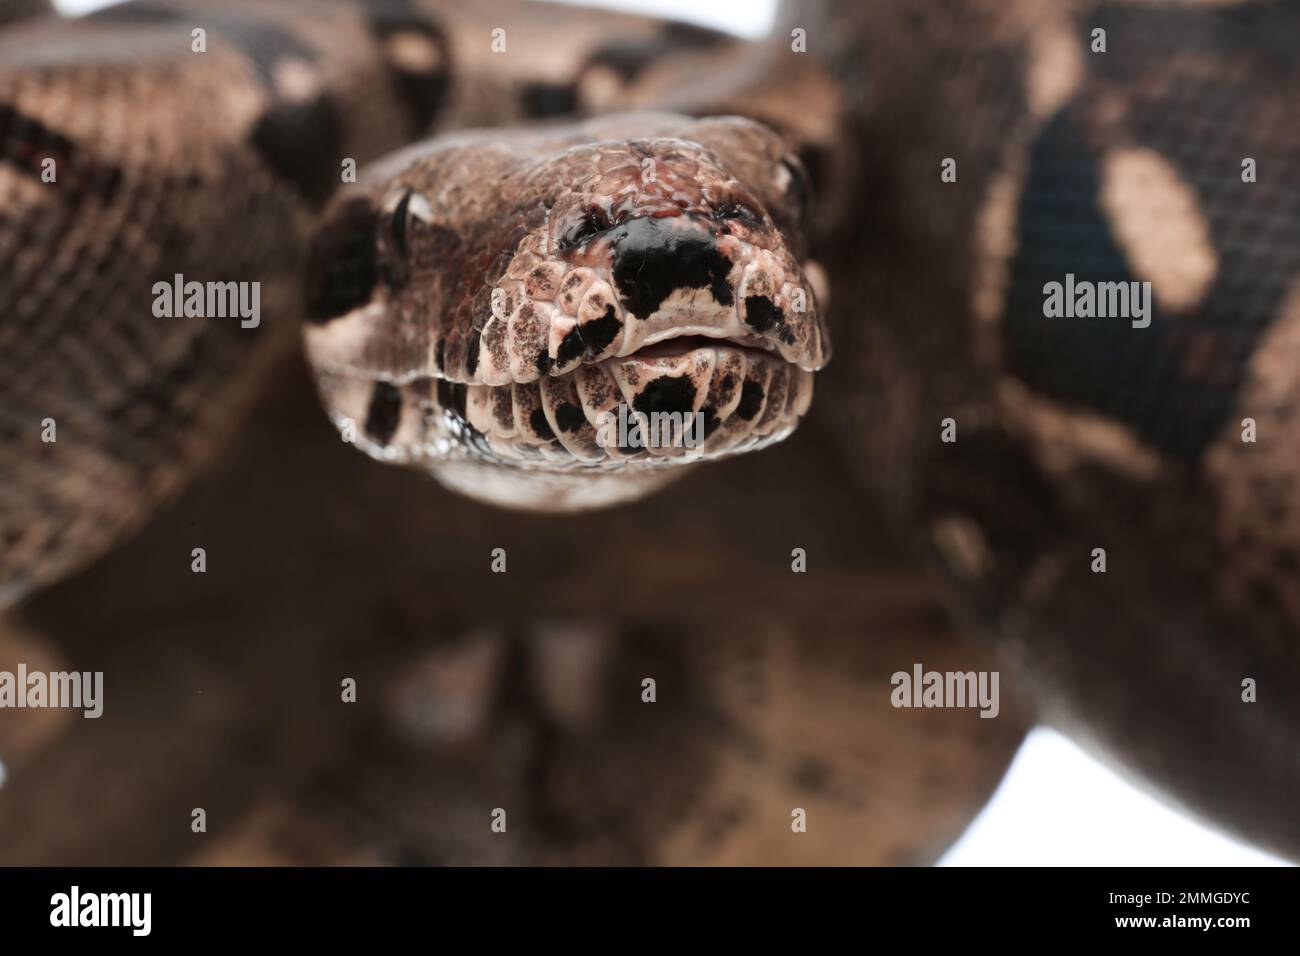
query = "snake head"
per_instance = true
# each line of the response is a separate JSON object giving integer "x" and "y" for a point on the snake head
{"x": 563, "y": 317}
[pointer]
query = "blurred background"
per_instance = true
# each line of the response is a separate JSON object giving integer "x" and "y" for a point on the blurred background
{"x": 1057, "y": 804}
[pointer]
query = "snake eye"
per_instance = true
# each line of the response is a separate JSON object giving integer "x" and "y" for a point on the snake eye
{"x": 404, "y": 209}
{"x": 594, "y": 221}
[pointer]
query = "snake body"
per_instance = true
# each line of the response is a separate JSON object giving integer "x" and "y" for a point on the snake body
{"x": 606, "y": 240}
{"x": 1078, "y": 434}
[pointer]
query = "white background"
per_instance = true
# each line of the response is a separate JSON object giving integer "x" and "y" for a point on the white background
{"x": 1057, "y": 805}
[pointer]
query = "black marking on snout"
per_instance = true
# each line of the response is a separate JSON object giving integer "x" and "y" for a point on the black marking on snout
{"x": 342, "y": 261}
{"x": 592, "y": 338}
{"x": 653, "y": 259}
{"x": 601, "y": 332}
{"x": 571, "y": 346}
{"x": 384, "y": 413}
{"x": 761, "y": 313}
{"x": 668, "y": 393}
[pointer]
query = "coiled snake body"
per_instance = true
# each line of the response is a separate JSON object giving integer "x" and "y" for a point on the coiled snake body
{"x": 474, "y": 302}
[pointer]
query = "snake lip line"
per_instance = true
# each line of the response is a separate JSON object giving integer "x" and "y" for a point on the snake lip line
{"x": 675, "y": 346}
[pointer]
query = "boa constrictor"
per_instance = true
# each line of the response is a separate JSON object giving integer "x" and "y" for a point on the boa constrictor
{"x": 474, "y": 303}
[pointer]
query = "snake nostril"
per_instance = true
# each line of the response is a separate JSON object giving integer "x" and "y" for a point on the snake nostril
{"x": 593, "y": 222}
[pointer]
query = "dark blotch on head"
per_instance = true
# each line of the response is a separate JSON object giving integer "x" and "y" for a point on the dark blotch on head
{"x": 601, "y": 332}
{"x": 384, "y": 414}
{"x": 751, "y": 399}
{"x": 666, "y": 394}
{"x": 342, "y": 266}
{"x": 569, "y": 417}
{"x": 761, "y": 313}
{"x": 652, "y": 260}
{"x": 571, "y": 347}
{"x": 543, "y": 363}
{"x": 591, "y": 338}
{"x": 540, "y": 425}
